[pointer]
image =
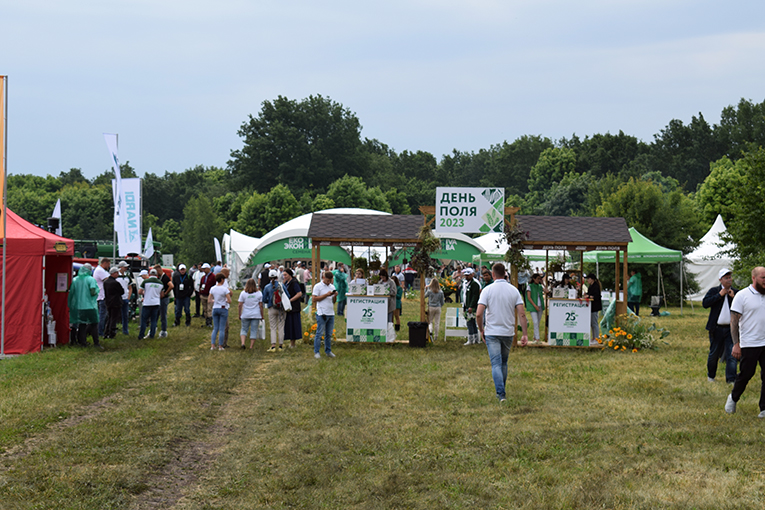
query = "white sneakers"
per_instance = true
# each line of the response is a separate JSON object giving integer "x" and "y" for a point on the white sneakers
{"x": 317, "y": 355}
{"x": 730, "y": 405}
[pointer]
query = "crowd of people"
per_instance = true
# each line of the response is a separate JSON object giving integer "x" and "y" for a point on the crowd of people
{"x": 100, "y": 297}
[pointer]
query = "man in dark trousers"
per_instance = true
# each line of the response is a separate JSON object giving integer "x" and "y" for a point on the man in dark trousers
{"x": 718, "y": 300}
{"x": 113, "y": 291}
{"x": 183, "y": 288}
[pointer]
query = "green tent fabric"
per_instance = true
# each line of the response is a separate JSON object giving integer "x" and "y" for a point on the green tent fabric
{"x": 640, "y": 251}
{"x": 452, "y": 248}
{"x": 296, "y": 248}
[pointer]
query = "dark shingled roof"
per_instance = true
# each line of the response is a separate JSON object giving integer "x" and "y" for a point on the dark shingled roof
{"x": 370, "y": 228}
{"x": 574, "y": 230}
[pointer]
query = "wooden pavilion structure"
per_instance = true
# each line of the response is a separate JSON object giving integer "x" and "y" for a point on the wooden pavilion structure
{"x": 389, "y": 231}
{"x": 581, "y": 234}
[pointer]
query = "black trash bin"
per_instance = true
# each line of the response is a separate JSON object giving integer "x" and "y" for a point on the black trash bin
{"x": 418, "y": 334}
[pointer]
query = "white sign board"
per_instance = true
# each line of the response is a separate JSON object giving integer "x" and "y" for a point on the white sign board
{"x": 367, "y": 319}
{"x": 167, "y": 259}
{"x": 569, "y": 322}
{"x": 470, "y": 210}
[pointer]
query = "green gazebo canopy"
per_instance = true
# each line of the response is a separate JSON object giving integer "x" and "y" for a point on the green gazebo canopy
{"x": 640, "y": 251}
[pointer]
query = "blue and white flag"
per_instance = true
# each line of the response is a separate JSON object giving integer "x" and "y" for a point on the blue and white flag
{"x": 148, "y": 249}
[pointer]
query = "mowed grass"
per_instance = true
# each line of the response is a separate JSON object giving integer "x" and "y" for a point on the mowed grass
{"x": 169, "y": 424}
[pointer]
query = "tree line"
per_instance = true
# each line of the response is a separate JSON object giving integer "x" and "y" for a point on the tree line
{"x": 299, "y": 156}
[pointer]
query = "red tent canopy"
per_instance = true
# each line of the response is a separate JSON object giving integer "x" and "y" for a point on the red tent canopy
{"x": 39, "y": 263}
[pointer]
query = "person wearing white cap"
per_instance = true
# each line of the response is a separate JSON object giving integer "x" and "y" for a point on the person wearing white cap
{"x": 126, "y": 280}
{"x": 207, "y": 283}
{"x": 470, "y": 291}
{"x": 274, "y": 295}
{"x": 183, "y": 288}
{"x": 150, "y": 289}
{"x": 718, "y": 299}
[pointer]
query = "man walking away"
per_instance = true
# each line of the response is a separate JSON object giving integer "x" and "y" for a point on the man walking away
{"x": 499, "y": 303}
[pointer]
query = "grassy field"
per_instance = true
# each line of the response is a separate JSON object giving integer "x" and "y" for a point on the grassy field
{"x": 167, "y": 423}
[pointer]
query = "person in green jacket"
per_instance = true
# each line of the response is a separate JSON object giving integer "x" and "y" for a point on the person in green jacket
{"x": 634, "y": 291}
{"x": 83, "y": 306}
{"x": 535, "y": 302}
{"x": 341, "y": 286}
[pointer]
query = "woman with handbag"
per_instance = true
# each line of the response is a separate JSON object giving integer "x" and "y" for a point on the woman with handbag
{"x": 293, "y": 329}
{"x": 273, "y": 298}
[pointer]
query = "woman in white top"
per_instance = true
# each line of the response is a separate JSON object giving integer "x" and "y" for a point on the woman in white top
{"x": 359, "y": 277}
{"x": 221, "y": 296}
{"x": 250, "y": 312}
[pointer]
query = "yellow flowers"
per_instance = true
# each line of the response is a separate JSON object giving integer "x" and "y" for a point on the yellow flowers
{"x": 634, "y": 350}
{"x": 629, "y": 337}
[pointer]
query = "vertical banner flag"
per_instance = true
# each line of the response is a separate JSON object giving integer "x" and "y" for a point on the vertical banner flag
{"x": 57, "y": 214}
{"x": 2, "y": 155}
{"x": 148, "y": 249}
{"x": 129, "y": 238}
{"x": 470, "y": 210}
{"x": 119, "y": 202}
{"x": 218, "y": 256}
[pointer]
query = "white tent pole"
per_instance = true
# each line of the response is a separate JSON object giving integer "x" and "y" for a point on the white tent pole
{"x": 42, "y": 300}
{"x": 682, "y": 296}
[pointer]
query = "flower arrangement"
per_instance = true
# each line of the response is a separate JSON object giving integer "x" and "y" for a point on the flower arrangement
{"x": 633, "y": 334}
{"x": 308, "y": 335}
{"x": 448, "y": 286}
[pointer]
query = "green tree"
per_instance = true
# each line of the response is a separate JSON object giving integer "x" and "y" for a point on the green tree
{"x": 512, "y": 162}
{"x": 746, "y": 228}
{"x": 251, "y": 220}
{"x": 572, "y": 196}
{"x": 669, "y": 219}
{"x": 200, "y": 225}
{"x": 352, "y": 192}
{"x": 281, "y": 206}
{"x": 685, "y": 152}
{"x": 601, "y": 155}
{"x": 306, "y": 144}
{"x": 719, "y": 192}
{"x": 742, "y": 128}
{"x": 322, "y": 203}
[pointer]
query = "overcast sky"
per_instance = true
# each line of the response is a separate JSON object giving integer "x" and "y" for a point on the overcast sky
{"x": 176, "y": 79}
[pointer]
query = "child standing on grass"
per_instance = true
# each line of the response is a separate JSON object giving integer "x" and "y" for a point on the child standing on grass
{"x": 250, "y": 312}
{"x": 435, "y": 297}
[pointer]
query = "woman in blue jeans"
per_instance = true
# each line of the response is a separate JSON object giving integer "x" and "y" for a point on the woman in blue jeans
{"x": 221, "y": 296}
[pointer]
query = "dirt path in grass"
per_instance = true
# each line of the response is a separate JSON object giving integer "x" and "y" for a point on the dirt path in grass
{"x": 82, "y": 414}
{"x": 172, "y": 483}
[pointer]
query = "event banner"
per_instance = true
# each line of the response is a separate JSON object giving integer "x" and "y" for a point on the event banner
{"x": 367, "y": 319}
{"x": 569, "y": 322}
{"x": 470, "y": 210}
{"x": 129, "y": 237}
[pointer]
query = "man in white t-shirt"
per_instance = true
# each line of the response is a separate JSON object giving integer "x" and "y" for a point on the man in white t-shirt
{"x": 498, "y": 303}
{"x": 747, "y": 327}
{"x": 101, "y": 273}
{"x": 150, "y": 289}
{"x": 323, "y": 293}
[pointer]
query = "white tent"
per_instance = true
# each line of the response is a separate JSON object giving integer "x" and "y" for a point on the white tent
{"x": 707, "y": 260}
{"x": 237, "y": 249}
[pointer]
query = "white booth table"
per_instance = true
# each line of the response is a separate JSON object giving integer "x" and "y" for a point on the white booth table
{"x": 569, "y": 323}
{"x": 367, "y": 318}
